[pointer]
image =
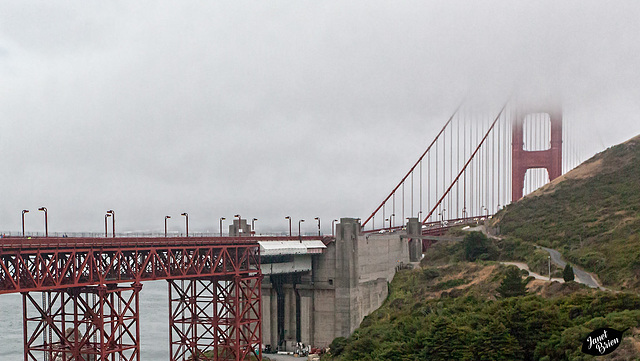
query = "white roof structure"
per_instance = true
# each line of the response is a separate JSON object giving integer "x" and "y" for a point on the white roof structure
{"x": 277, "y": 248}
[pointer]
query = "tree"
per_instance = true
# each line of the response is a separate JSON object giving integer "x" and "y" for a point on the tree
{"x": 476, "y": 244}
{"x": 567, "y": 273}
{"x": 512, "y": 285}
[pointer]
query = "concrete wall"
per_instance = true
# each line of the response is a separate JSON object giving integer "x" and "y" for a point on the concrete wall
{"x": 347, "y": 282}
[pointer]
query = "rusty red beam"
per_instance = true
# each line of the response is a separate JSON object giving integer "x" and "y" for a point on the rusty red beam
{"x": 34, "y": 243}
{"x": 433, "y": 225}
{"x": 34, "y": 269}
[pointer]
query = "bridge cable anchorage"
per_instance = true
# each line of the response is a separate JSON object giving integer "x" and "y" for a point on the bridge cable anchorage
{"x": 412, "y": 168}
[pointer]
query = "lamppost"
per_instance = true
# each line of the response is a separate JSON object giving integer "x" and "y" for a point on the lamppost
{"x": 299, "y": 230}
{"x": 441, "y": 215}
{"x": 484, "y": 209}
{"x": 318, "y": 219}
{"x": 113, "y": 221}
{"x": 253, "y": 225}
{"x": 391, "y": 220}
{"x": 221, "y": 219}
{"x": 165, "y": 224}
{"x": 385, "y": 222}
{"x": 186, "y": 220}
{"x": 46, "y": 225}
{"x": 289, "y": 218}
{"x": 549, "y": 267}
{"x": 23, "y": 212}
{"x": 333, "y": 228}
{"x": 105, "y": 225}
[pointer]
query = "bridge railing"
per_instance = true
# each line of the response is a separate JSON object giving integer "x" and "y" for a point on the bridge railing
{"x": 141, "y": 234}
{"x": 13, "y": 243}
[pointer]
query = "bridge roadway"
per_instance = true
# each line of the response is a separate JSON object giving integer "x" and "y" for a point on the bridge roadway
{"x": 40, "y": 264}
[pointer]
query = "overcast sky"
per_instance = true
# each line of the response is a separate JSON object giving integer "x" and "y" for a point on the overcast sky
{"x": 268, "y": 109}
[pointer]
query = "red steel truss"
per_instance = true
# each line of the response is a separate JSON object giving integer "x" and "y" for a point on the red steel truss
{"x": 83, "y": 324}
{"x": 83, "y": 314}
{"x": 50, "y": 263}
{"x": 215, "y": 319}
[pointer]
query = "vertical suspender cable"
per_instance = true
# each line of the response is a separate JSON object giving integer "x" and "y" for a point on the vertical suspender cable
{"x": 458, "y": 167}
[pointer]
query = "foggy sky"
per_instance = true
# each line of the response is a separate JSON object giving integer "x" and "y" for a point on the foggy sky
{"x": 269, "y": 109}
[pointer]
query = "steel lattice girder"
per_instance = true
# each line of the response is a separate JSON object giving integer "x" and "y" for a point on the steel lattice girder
{"x": 215, "y": 318}
{"x": 49, "y": 269}
{"x": 83, "y": 324}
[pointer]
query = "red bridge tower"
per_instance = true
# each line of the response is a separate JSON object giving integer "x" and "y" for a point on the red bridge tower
{"x": 550, "y": 159}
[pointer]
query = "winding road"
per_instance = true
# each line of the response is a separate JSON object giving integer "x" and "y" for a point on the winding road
{"x": 581, "y": 275}
{"x": 556, "y": 257}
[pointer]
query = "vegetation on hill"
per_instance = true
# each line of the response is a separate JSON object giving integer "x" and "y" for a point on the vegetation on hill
{"x": 591, "y": 215}
{"x": 421, "y": 320}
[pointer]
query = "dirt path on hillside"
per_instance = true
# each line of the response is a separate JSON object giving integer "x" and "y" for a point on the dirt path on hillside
{"x": 524, "y": 266}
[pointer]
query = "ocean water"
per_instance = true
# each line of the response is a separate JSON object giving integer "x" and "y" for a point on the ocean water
{"x": 154, "y": 323}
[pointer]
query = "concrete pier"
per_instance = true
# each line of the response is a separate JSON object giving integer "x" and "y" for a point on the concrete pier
{"x": 348, "y": 281}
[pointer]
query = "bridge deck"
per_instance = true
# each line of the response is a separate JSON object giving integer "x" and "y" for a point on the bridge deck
{"x": 41, "y": 264}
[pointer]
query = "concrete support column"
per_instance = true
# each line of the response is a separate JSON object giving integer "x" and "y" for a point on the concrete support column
{"x": 346, "y": 279}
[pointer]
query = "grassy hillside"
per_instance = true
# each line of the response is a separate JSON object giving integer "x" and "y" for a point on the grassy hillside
{"x": 453, "y": 312}
{"x": 591, "y": 215}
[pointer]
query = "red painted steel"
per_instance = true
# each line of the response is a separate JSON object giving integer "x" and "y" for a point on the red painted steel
{"x": 79, "y": 277}
{"x": 215, "y": 319}
{"x": 550, "y": 159}
{"x": 83, "y": 323}
{"x": 40, "y": 264}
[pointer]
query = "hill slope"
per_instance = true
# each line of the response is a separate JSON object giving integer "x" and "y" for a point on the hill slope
{"x": 591, "y": 215}
{"x": 451, "y": 312}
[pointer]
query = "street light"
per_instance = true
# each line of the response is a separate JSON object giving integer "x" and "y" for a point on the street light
{"x": 391, "y": 219}
{"x": 318, "y": 219}
{"x": 299, "y": 228}
{"x": 23, "y": 212}
{"x": 333, "y": 229}
{"x": 289, "y": 218}
{"x": 441, "y": 214}
{"x": 485, "y": 209}
{"x": 113, "y": 221}
{"x": 253, "y": 225}
{"x": 46, "y": 225}
{"x": 221, "y": 219}
{"x": 186, "y": 220}
{"x": 165, "y": 224}
{"x": 105, "y": 225}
